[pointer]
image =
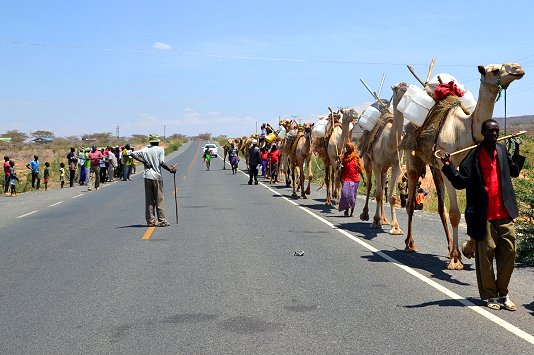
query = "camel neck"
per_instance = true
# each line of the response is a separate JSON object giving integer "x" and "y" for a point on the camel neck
{"x": 484, "y": 109}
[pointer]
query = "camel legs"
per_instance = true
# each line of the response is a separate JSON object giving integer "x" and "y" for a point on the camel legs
{"x": 455, "y": 262}
{"x": 395, "y": 228}
{"x": 310, "y": 176}
{"x": 379, "y": 217}
{"x": 364, "y": 216}
{"x": 328, "y": 201}
{"x": 415, "y": 169}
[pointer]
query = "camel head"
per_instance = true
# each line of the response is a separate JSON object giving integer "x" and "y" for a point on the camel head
{"x": 348, "y": 115}
{"x": 399, "y": 90}
{"x": 307, "y": 127}
{"x": 500, "y": 75}
{"x": 286, "y": 124}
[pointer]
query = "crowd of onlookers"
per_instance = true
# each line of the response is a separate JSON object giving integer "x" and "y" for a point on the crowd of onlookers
{"x": 86, "y": 167}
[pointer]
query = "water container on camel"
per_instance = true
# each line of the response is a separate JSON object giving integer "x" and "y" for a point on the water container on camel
{"x": 408, "y": 97}
{"x": 271, "y": 137}
{"x": 281, "y": 132}
{"x": 469, "y": 102}
{"x": 320, "y": 128}
{"x": 369, "y": 118}
{"x": 418, "y": 108}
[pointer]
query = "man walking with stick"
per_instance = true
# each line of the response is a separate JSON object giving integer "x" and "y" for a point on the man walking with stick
{"x": 153, "y": 158}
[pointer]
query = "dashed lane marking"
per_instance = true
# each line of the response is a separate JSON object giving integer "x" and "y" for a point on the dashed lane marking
{"x": 55, "y": 204}
{"x": 148, "y": 233}
{"x": 27, "y": 214}
{"x": 77, "y": 195}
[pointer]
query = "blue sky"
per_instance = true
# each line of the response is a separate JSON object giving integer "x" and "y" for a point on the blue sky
{"x": 222, "y": 66}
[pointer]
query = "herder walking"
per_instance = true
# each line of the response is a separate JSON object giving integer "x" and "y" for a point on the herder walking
{"x": 153, "y": 158}
{"x": 490, "y": 210}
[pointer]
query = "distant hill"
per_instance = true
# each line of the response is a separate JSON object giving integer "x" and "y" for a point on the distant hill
{"x": 517, "y": 123}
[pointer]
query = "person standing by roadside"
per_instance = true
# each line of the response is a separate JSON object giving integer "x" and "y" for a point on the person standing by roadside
{"x": 127, "y": 162}
{"x": 62, "y": 174}
{"x": 491, "y": 207}
{"x": 153, "y": 158}
{"x": 350, "y": 179}
{"x": 103, "y": 166}
{"x": 7, "y": 174}
{"x": 81, "y": 165}
{"x": 112, "y": 164}
{"x": 264, "y": 152}
{"x": 12, "y": 178}
{"x": 95, "y": 156}
{"x": 87, "y": 167}
{"x": 254, "y": 159}
{"x": 34, "y": 167}
{"x": 72, "y": 160}
{"x": 46, "y": 175}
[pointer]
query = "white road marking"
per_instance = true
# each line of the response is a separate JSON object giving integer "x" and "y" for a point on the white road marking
{"x": 55, "y": 204}
{"x": 490, "y": 316}
{"x": 27, "y": 214}
{"x": 77, "y": 195}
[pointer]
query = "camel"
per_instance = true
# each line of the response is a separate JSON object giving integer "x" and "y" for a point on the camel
{"x": 300, "y": 153}
{"x": 285, "y": 148}
{"x": 380, "y": 154}
{"x": 341, "y": 134}
{"x": 459, "y": 130}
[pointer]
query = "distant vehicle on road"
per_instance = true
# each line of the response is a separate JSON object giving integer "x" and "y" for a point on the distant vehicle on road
{"x": 212, "y": 148}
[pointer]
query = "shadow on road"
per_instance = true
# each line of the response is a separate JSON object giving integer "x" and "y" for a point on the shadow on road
{"x": 446, "y": 303}
{"x": 530, "y": 307}
{"x": 132, "y": 226}
{"x": 420, "y": 261}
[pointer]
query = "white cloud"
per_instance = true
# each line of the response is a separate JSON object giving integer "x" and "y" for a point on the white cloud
{"x": 162, "y": 46}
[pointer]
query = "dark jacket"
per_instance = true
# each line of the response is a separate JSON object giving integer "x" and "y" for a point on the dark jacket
{"x": 254, "y": 157}
{"x": 469, "y": 177}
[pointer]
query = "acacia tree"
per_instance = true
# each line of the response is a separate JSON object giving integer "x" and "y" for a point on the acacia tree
{"x": 41, "y": 134}
{"x": 16, "y": 136}
{"x": 204, "y": 136}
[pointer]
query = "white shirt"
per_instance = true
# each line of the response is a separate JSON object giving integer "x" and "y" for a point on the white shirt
{"x": 153, "y": 155}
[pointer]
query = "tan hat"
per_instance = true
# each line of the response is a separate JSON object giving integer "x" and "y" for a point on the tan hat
{"x": 153, "y": 138}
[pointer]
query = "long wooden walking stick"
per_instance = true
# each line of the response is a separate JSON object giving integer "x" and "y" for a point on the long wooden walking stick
{"x": 175, "y": 195}
{"x": 438, "y": 155}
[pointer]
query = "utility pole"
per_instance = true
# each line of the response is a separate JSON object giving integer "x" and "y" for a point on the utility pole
{"x": 117, "y": 132}
{"x": 164, "y": 134}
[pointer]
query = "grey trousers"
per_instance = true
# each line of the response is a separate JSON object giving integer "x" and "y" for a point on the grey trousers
{"x": 154, "y": 201}
{"x": 498, "y": 243}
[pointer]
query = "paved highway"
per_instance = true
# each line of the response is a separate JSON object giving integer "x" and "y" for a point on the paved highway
{"x": 82, "y": 274}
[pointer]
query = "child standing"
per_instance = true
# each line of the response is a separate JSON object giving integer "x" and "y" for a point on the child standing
{"x": 46, "y": 175}
{"x": 264, "y": 153}
{"x": 62, "y": 174}
{"x": 12, "y": 178}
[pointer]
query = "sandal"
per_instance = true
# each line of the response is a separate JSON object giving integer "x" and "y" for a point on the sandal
{"x": 493, "y": 303}
{"x": 507, "y": 303}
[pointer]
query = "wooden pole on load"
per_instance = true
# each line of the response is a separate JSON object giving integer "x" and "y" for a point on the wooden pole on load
{"x": 372, "y": 93}
{"x": 431, "y": 67}
{"x": 381, "y": 84}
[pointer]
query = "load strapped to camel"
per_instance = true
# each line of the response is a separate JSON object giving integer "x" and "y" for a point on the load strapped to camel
{"x": 417, "y": 103}
{"x": 426, "y": 110}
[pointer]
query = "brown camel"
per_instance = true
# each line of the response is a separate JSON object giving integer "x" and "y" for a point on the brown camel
{"x": 459, "y": 130}
{"x": 381, "y": 153}
{"x": 285, "y": 148}
{"x": 300, "y": 153}
{"x": 341, "y": 134}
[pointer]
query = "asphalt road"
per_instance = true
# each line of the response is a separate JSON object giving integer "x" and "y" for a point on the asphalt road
{"x": 82, "y": 274}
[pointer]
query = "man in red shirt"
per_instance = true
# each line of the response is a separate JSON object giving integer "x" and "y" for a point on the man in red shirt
{"x": 491, "y": 206}
{"x": 7, "y": 174}
{"x": 95, "y": 156}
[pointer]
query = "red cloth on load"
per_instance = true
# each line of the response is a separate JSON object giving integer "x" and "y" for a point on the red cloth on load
{"x": 447, "y": 89}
